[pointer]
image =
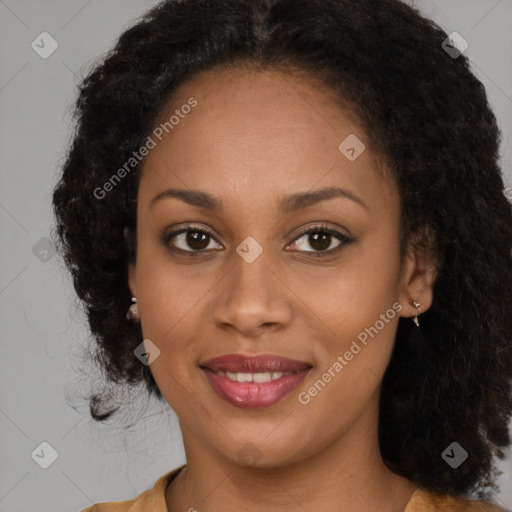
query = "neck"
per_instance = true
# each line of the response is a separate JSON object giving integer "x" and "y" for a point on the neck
{"x": 348, "y": 474}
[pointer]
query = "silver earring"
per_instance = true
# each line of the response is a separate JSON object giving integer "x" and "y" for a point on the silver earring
{"x": 133, "y": 311}
{"x": 417, "y": 306}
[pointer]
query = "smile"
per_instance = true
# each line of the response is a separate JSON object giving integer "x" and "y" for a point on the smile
{"x": 254, "y": 382}
{"x": 252, "y": 377}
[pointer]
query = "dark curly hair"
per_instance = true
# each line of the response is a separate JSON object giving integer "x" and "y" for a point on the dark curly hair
{"x": 425, "y": 113}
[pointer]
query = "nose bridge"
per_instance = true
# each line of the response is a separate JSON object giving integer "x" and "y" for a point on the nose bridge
{"x": 251, "y": 295}
{"x": 251, "y": 274}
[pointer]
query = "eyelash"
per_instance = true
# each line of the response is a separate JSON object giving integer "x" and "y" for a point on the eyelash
{"x": 345, "y": 240}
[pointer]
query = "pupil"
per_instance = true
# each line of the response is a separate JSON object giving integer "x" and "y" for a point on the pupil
{"x": 194, "y": 240}
{"x": 320, "y": 245}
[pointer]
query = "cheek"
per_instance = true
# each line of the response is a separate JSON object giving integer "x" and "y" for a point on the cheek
{"x": 361, "y": 310}
{"x": 352, "y": 296}
{"x": 169, "y": 306}
{"x": 167, "y": 293}
{"x": 350, "y": 375}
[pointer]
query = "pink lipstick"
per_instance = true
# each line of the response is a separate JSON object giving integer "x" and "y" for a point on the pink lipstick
{"x": 254, "y": 382}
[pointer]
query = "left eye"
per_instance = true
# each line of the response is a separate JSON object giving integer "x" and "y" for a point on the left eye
{"x": 321, "y": 240}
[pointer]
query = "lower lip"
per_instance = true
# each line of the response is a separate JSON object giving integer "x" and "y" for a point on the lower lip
{"x": 252, "y": 395}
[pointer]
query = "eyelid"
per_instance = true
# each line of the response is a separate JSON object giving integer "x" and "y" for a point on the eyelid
{"x": 167, "y": 237}
{"x": 323, "y": 228}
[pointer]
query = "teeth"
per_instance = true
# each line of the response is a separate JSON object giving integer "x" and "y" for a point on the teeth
{"x": 260, "y": 377}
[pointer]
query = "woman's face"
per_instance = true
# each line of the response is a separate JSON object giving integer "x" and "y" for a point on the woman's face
{"x": 257, "y": 158}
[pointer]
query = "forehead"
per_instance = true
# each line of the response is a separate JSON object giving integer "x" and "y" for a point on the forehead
{"x": 264, "y": 102}
{"x": 259, "y": 131}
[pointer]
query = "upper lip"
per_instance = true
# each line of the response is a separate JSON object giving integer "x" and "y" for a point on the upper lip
{"x": 237, "y": 363}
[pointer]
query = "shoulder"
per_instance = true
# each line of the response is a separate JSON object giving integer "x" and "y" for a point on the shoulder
{"x": 117, "y": 506}
{"x": 141, "y": 503}
{"x": 151, "y": 500}
{"x": 426, "y": 501}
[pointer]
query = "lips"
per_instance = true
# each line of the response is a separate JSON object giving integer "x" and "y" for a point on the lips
{"x": 236, "y": 363}
{"x": 254, "y": 382}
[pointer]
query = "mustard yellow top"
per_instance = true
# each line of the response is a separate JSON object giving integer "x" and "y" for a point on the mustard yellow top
{"x": 153, "y": 500}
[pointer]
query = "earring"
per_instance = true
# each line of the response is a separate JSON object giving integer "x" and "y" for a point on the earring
{"x": 133, "y": 311}
{"x": 417, "y": 306}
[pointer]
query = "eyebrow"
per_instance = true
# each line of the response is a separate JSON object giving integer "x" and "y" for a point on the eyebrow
{"x": 288, "y": 204}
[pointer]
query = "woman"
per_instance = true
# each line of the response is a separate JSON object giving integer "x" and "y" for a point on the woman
{"x": 300, "y": 205}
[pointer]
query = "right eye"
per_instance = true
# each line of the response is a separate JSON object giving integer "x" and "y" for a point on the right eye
{"x": 191, "y": 236}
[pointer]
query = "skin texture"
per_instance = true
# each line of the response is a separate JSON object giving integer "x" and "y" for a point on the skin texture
{"x": 254, "y": 137}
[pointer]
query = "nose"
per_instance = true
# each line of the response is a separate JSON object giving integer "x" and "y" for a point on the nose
{"x": 252, "y": 298}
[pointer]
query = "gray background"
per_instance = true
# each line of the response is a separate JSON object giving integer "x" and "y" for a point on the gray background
{"x": 43, "y": 330}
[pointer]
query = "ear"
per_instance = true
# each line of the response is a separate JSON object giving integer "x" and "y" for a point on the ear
{"x": 132, "y": 279}
{"x": 419, "y": 272}
{"x": 132, "y": 270}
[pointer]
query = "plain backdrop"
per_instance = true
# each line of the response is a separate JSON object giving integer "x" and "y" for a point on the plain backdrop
{"x": 42, "y": 328}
